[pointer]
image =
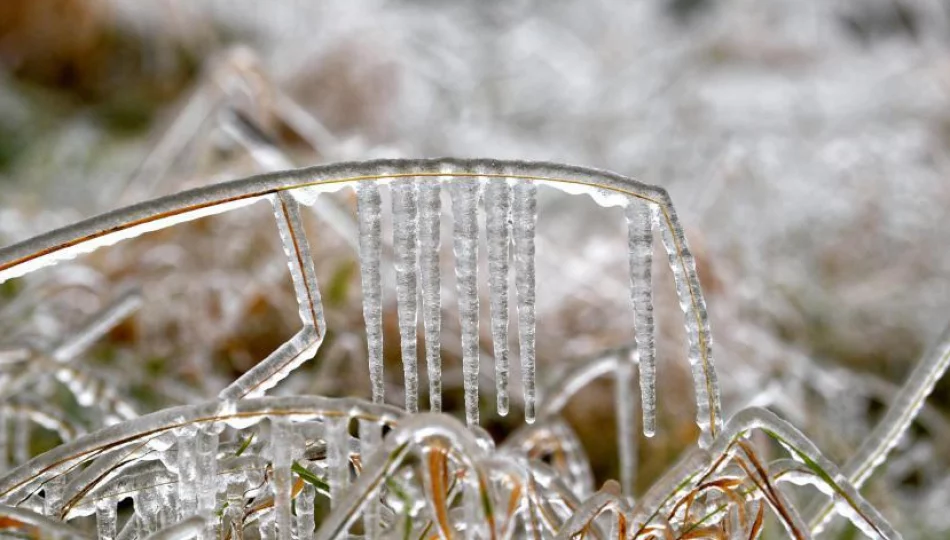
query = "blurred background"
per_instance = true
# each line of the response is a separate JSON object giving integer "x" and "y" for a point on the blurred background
{"x": 806, "y": 145}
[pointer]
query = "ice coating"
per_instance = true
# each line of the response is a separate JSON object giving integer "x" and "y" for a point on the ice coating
{"x": 626, "y": 412}
{"x": 305, "y": 510}
{"x": 106, "y": 519}
{"x": 281, "y": 444}
{"x": 370, "y": 440}
{"x": 405, "y": 247}
{"x": 183, "y": 530}
{"x": 640, "y": 220}
{"x": 905, "y": 406}
{"x": 187, "y": 451}
{"x": 206, "y": 448}
{"x": 97, "y": 326}
{"x": 498, "y": 232}
{"x": 524, "y": 217}
{"x": 370, "y": 212}
{"x": 430, "y": 245}
{"x": 299, "y": 261}
{"x": 338, "y": 455}
{"x": 705, "y": 383}
{"x": 465, "y": 194}
{"x": 304, "y": 344}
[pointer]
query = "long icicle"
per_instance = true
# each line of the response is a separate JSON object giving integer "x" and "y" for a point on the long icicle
{"x": 405, "y": 231}
{"x": 465, "y": 193}
{"x": 498, "y": 231}
{"x": 370, "y": 212}
{"x": 430, "y": 245}
{"x": 524, "y": 220}
{"x": 639, "y": 216}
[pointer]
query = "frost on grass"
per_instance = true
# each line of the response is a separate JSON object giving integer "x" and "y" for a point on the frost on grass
{"x": 272, "y": 466}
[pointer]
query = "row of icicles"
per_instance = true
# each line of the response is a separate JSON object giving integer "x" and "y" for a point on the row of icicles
{"x": 511, "y": 212}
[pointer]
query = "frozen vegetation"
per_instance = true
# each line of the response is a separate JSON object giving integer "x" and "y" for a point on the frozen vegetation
{"x": 236, "y": 347}
{"x": 236, "y": 465}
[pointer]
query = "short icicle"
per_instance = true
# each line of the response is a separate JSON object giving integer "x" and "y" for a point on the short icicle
{"x": 640, "y": 240}
{"x": 187, "y": 473}
{"x": 524, "y": 221}
{"x": 281, "y": 446}
{"x": 498, "y": 232}
{"x": 305, "y": 513}
{"x": 430, "y": 245}
{"x": 369, "y": 212}
{"x": 371, "y": 437}
{"x": 106, "y": 518}
{"x": 338, "y": 457}
{"x": 465, "y": 192}
{"x": 206, "y": 447}
{"x": 405, "y": 248}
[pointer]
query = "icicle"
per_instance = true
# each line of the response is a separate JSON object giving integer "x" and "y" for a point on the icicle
{"x": 147, "y": 507}
{"x": 524, "y": 221}
{"x": 626, "y": 434}
{"x": 430, "y": 245}
{"x": 369, "y": 210}
{"x": 465, "y": 243}
{"x": 235, "y": 508}
{"x": 498, "y": 231}
{"x": 207, "y": 472}
{"x": 405, "y": 227}
{"x": 371, "y": 438}
{"x": 187, "y": 473}
{"x": 706, "y": 386}
{"x": 280, "y": 445}
{"x": 640, "y": 240}
{"x": 106, "y": 518}
{"x": 305, "y": 510}
{"x": 338, "y": 457}
{"x": 471, "y": 512}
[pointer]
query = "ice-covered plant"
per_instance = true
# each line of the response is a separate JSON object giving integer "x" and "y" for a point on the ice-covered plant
{"x": 304, "y": 466}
